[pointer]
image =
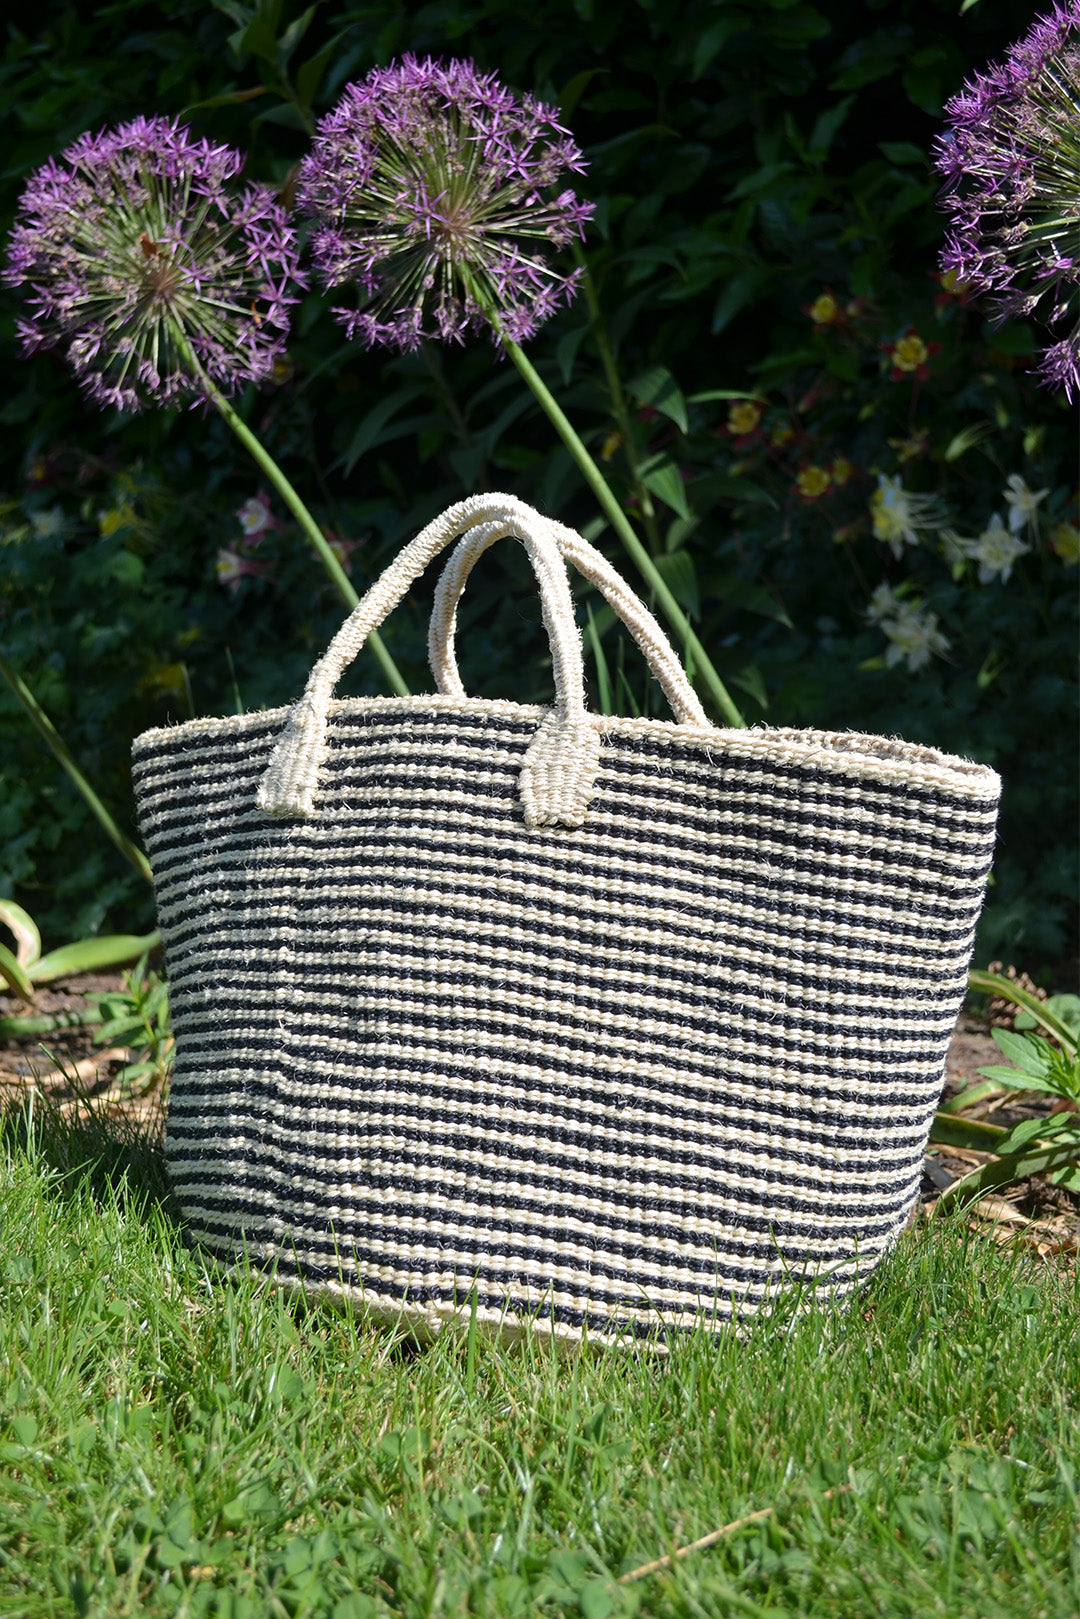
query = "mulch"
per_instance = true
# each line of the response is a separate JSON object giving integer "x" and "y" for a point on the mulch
{"x": 73, "y": 1073}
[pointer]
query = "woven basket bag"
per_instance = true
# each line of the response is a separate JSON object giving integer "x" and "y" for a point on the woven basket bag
{"x": 608, "y": 1024}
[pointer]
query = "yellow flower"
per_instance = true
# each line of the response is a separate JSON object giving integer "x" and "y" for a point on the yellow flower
{"x": 824, "y": 310}
{"x": 743, "y": 417}
{"x": 909, "y": 353}
{"x": 116, "y": 517}
{"x": 812, "y": 482}
{"x": 907, "y": 449}
{"x": 781, "y": 434}
{"x": 1065, "y": 539}
{"x": 841, "y": 471}
{"x": 610, "y": 445}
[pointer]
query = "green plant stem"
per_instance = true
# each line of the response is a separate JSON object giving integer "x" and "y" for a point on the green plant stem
{"x": 265, "y": 460}
{"x": 61, "y": 753}
{"x": 311, "y": 529}
{"x": 619, "y": 521}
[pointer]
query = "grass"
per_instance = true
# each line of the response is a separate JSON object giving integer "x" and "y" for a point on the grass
{"x": 171, "y": 1443}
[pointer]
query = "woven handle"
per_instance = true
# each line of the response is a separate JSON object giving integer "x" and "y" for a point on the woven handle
{"x": 559, "y": 773}
{"x": 598, "y": 570}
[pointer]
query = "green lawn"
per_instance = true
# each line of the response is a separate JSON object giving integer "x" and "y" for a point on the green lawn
{"x": 175, "y": 1444}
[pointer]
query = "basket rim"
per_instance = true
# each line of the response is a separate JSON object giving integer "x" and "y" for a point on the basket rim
{"x": 849, "y": 753}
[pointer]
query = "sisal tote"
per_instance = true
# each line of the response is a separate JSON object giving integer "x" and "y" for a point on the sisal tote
{"x": 600, "y": 1023}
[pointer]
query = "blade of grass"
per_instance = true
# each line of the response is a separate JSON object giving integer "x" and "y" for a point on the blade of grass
{"x": 62, "y": 754}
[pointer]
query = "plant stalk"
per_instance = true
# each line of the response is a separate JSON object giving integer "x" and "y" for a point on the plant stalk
{"x": 265, "y": 460}
{"x": 314, "y": 533}
{"x": 61, "y": 753}
{"x": 619, "y": 521}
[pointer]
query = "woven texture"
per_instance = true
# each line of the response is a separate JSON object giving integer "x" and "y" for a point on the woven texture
{"x": 637, "y": 1068}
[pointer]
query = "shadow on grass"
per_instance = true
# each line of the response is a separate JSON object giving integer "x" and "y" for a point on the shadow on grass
{"x": 110, "y": 1150}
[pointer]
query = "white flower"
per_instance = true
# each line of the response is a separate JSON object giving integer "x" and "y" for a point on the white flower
{"x": 899, "y": 515}
{"x": 1022, "y": 503}
{"x": 914, "y": 635}
{"x": 255, "y": 516}
{"x": 995, "y": 551}
{"x": 50, "y": 524}
{"x": 884, "y": 603}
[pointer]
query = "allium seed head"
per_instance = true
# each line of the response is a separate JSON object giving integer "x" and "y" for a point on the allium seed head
{"x": 1011, "y": 161}
{"x": 433, "y": 187}
{"x": 138, "y": 254}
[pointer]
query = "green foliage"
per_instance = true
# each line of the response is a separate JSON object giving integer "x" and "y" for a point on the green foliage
{"x": 746, "y": 161}
{"x": 137, "y": 1015}
{"x": 173, "y": 1441}
{"x": 1047, "y": 1144}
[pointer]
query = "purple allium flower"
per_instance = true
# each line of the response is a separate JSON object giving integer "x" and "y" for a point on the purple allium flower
{"x": 433, "y": 185}
{"x": 1011, "y": 161}
{"x": 138, "y": 255}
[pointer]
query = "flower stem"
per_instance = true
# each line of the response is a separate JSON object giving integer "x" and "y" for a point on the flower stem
{"x": 620, "y": 523}
{"x": 265, "y": 460}
{"x": 61, "y": 753}
{"x": 314, "y": 533}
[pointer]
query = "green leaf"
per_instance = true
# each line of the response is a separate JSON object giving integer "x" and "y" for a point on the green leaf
{"x": 90, "y": 954}
{"x": 966, "y": 439}
{"x": 371, "y": 431}
{"x": 984, "y": 983}
{"x": 597, "y": 1599}
{"x": 735, "y": 591}
{"x": 1003, "y": 1171}
{"x": 1065, "y": 1007}
{"x": 228, "y": 99}
{"x": 13, "y": 975}
{"x": 239, "y": 14}
{"x": 309, "y": 74}
{"x": 1014, "y": 1079}
{"x": 572, "y": 92}
{"x": 712, "y": 40}
{"x": 660, "y": 475}
{"x": 292, "y": 36}
{"x": 658, "y": 388}
{"x": 286, "y": 114}
{"x": 566, "y": 351}
{"x": 974, "y": 1094}
{"x": 903, "y": 153}
{"x": 741, "y": 290}
{"x": 23, "y": 926}
{"x": 1028, "y": 1130}
{"x": 750, "y": 680}
{"x": 1023, "y": 1050}
{"x": 721, "y": 393}
{"x": 967, "y": 1133}
{"x": 826, "y": 127}
{"x": 677, "y": 570}
{"x": 23, "y": 1429}
{"x": 603, "y": 674}
{"x": 760, "y": 180}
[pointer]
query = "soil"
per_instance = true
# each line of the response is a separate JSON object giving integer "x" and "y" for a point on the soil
{"x": 70, "y": 1071}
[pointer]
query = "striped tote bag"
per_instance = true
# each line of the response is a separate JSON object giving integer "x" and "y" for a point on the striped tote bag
{"x": 608, "y": 1025}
